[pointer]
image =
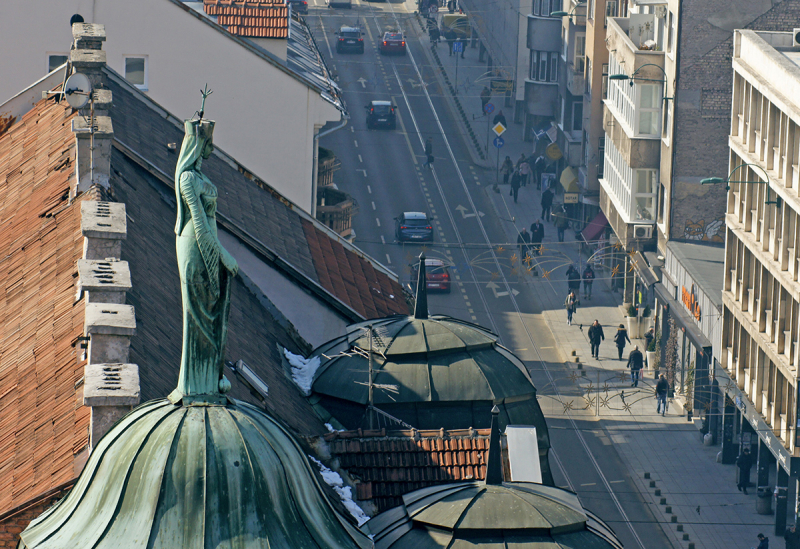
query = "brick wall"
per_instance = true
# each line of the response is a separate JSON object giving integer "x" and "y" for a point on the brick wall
{"x": 702, "y": 112}
{"x": 15, "y": 521}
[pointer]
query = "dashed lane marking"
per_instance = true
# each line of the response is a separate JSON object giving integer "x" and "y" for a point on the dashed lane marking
{"x": 383, "y": 240}
{"x": 369, "y": 189}
{"x": 373, "y": 206}
{"x": 355, "y": 141}
{"x": 378, "y": 221}
{"x": 388, "y": 259}
{"x": 360, "y": 159}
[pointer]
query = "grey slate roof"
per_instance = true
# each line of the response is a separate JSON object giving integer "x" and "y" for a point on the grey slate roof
{"x": 705, "y": 264}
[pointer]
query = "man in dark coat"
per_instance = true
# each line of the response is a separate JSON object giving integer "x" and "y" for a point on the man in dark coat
{"x": 792, "y": 537}
{"x": 573, "y": 279}
{"x": 662, "y": 391}
{"x": 635, "y": 363}
{"x": 547, "y": 204}
{"x": 588, "y": 280}
{"x": 763, "y": 541}
{"x": 537, "y": 236}
{"x": 523, "y": 239}
{"x": 744, "y": 462}
{"x": 595, "y": 336}
{"x": 515, "y": 183}
{"x": 500, "y": 118}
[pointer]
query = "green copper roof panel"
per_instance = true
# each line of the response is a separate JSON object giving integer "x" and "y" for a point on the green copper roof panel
{"x": 408, "y": 340}
{"x": 411, "y": 379}
{"x": 501, "y": 509}
{"x": 448, "y": 510}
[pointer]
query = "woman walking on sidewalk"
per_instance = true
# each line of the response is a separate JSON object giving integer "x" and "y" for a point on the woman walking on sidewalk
{"x": 506, "y": 169}
{"x": 571, "y": 304}
{"x": 620, "y": 338}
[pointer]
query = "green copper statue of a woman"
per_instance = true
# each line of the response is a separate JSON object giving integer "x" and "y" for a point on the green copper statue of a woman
{"x": 206, "y": 269}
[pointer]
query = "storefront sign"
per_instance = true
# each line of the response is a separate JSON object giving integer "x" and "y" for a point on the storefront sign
{"x": 690, "y": 301}
{"x": 571, "y": 198}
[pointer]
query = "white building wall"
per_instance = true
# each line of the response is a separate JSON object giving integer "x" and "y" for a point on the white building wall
{"x": 265, "y": 117}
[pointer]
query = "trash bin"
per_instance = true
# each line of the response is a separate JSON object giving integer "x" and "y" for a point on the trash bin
{"x": 763, "y": 500}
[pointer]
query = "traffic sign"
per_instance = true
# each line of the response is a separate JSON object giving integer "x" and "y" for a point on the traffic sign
{"x": 499, "y": 129}
{"x": 499, "y": 142}
{"x": 458, "y": 47}
{"x": 488, "y": 108}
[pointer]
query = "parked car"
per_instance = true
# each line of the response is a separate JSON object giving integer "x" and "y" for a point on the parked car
{"x": 393, "y": 42}
{"x": 413, "y": 227}
{"x": 381, "y": 114}
{"x": 437, "y": 275}
{"x": 299, "y": 6}
{"x": 350, "y": 40}
{"x": 340, "y": 4}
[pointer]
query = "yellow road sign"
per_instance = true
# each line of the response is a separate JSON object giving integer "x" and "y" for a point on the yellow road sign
{"x": 499, "y": 129}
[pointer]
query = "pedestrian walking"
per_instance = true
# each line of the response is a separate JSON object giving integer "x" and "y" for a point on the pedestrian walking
{"x": 433, "y": 32}
{"x": 573, "y": 279}
{"x": 450, "y": 36}
{"x": 523, "y": 241}
{"x": 620, "y": 338}
{"x": 537, "y": 236}
{"x": 588, "y": 280}
{"x": 486, "y": 95}
{"x": 499, "y": 118}
{"x": 538, "y": 170}
{"x": 547, "y": 204}
{"x": 506, "y": 169}
{"x": 571, "y": 304}
{"x": 525, "y": 171}
{"x": 560, "y": 221}
{"x": 429, "y": 153}
{"x": 662, "y": 390}
{"x": 521, "y": 159}
{"x": 596, "y": 335}
{"x": 744, "y": 462}
{"x": 763, "y": 541}
{"x": 792, "y": 537}
{"x": 649, "y": 336}
{"x": 635, "y": 363}
{"x": 515, "y": 180}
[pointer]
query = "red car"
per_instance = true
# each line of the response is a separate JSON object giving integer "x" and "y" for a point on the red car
{"x": 393, "y": 42}
{"x": 437, "y": 275}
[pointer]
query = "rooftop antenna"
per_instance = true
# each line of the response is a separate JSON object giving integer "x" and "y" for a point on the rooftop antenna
{"x": 494, "y": 465}
{"x": 205, "y": 93}
{"x": 421, "y": 304}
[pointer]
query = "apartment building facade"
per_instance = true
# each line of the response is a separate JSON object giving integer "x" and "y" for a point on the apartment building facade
{"x": 761, "y": 291}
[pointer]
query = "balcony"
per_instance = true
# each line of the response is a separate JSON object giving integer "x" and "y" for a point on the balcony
{"x": 575, "y": 80}
{"x": 630, "y": 38}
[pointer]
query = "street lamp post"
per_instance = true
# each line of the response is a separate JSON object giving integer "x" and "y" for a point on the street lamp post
{"x": 633, "y": 77}
{"x": 728, "y": 181}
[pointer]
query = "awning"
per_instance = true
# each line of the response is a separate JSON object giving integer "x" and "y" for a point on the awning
{"x": 593, "y": 230}
{"x": 645, "y": 271}
{"x": 569, "y": 180}
{"x": 683, "y": 319}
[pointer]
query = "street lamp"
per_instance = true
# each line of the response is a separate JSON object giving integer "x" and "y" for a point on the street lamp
{"x": 634, "y": 77}
{"x": 728, "y": 181}
{"x": 571, "y": 13}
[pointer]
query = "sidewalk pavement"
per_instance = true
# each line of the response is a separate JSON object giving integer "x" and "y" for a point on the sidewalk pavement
{"x": 693, "y": 497}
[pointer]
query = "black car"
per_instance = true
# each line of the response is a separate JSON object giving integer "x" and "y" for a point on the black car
{"x": 299, "y": 6}
{"x": 350, "y": 40}
{"x": 413, "y": 227}
{"x": 381, "y": 114}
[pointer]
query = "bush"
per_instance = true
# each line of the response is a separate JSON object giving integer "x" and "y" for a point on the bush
{"x": 647, "y": 311}
{"x": 632, "y": 310}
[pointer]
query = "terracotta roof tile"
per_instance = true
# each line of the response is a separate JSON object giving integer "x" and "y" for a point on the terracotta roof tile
{"x": 390, "y": 464}
{"x": 259, "y": 19}
{"x": 42, "y": 425}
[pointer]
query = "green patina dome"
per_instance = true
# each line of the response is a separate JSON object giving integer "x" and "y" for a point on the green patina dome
{"x": 475, "y": 514}
{"x": 199, "y": 475}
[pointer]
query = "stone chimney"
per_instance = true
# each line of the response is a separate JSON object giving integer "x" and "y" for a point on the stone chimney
{"x": 110, "y": 382}
{"x": 94, "y": 141}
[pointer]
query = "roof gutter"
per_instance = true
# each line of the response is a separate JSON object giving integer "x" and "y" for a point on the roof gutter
{"x": 315, "y": 165}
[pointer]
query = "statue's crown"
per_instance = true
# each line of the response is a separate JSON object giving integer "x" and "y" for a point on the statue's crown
{"x": 202, "y": 128}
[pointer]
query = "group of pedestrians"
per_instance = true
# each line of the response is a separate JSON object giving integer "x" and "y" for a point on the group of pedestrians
{"x": 530, "y": 243}
{"x": 526, "y": 171}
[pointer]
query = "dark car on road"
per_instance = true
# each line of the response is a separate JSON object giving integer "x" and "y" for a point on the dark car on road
{"x": 393, "y": 42}
{"x": 437, "y": 275}
{"x": 299, "y": 6}
{"x": 350, "y": 40}
{"x": 381, "y": 114}
{"x": 340, "y": 4}
{"x": 413, "y": 227}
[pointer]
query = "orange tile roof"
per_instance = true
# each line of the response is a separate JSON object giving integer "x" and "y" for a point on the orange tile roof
{"x": 43, "y": 425}
{"x": 255, "y": 19}
{"x": 388, "y": 464}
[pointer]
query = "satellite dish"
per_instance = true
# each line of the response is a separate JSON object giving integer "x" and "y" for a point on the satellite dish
{"x": 77, "y": 90}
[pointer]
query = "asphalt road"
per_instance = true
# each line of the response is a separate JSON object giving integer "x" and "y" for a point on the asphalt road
{"x": 382, "y": 170}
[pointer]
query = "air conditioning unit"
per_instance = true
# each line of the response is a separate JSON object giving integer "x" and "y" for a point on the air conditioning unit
{"x": 643, "y": 231}
{"x": 795, "y": 37}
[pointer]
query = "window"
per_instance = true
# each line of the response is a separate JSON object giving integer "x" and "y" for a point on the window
{"x": 649, "y": 106}
{"x": 577, "y": 116}
{"x": 662, "y": 204}
{"x": 543, "y": 8}
{"x": 671, "y": 31}
{"x": 611, "y": 9}
{"x": 666, "y": 126}
{"x": 645, "y": 194}
{"x": 587, "y": 80}
{"x": 136, "y": 70}
{"x": 544, "y": 66}
{"x": 601, "y": 154}
{"x": 591, "y": 10}
{"x": 561, "y": 110}
{"x": 605, "y": 80}
{"x": 55, "y": 60}
{"x": 580, "y": 53}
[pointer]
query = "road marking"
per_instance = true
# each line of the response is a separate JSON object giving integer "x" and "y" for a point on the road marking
{"x": 359, "y": 158}
{"x": 472, "y": 312}
{"x": 369, "y": 189}
{"x": 475, "y": 318}
{"x": 493, "y": 286}
{"x": 383, "y": 240}
{"x": 325, "y": 35}
{"x": 354, "y": 140}
{"x": 373, "y": 206}
{"x": 615, "y": 481}
{"x": 589, "y": 484}
{"x": 465, "y": 215}
{"x": 362, "y": 170}
{"x": 547, "y": 347}
{"x": 378, "y": 221}
{"x": 468, "y": 304}
{"x": 405, "y": 134}
{"x": 352, "y": 129}
{"x": 388, "y": 259}
{"x": 362, "y": 81}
